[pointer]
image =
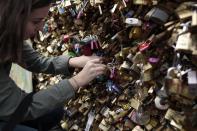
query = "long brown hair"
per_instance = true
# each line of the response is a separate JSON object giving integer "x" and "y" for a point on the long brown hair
{"x": 13, "y": 19}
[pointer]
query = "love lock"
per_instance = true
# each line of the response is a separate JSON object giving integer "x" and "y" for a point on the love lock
{"x": 173, "y": 81}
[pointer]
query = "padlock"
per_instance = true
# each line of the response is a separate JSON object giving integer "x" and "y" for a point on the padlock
{"x": 153, "y": 123}
{"x": 105, "y": 111}
{"x": 114, "y": 8}
{"x": 130, "y": 57}
{"x": 128, "y": 125}
{"x": 173, "y": 83}
{"x": 175, "y": 118}
{"x": 184, "y": 41}
{"x": 97, "y": 3}
{"x": 139, "y": 58}
{"x": 135, "y": 33}
{"x": 140, "y": 117}
{"x": 193, "y": 7}
{"x": 194, "y": 44}
{"x": 80, "y": 11}
{"x": 160, "y": 100}
{"x": 147, "y": 72}
{"x": 194, "y": 17}
{"x": 159, "y": 15}
{"x": 147, "y": 75}
{"x": 142, "y": 2}
{"x": 133, "y": 22}
{"x": 192, "y": 82}
{"x": 120, "y": 115}
{"x": 125, "y": 65}
{"x": 135, "y": 103}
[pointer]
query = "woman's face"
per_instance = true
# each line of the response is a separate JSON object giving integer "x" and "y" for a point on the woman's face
{"x": 35, "y": 22}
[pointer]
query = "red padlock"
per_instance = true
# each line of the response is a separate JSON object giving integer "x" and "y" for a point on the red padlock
{"x": 66, "y": 38}
{"x": 145, "y": 45}
{"x": 86, "y": 50}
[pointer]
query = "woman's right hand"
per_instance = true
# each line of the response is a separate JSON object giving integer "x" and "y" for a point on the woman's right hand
{"x": 91, "y": 70}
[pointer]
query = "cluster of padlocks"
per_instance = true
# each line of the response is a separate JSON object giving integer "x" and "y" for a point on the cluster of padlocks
{"x": 150, "y": 49}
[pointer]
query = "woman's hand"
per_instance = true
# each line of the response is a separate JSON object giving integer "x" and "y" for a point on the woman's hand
{"x": 80, "y": 62}
{"x": 91, "y": 70}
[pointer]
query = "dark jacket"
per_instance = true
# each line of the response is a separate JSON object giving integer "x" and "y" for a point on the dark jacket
{"x": 43, "y": 101}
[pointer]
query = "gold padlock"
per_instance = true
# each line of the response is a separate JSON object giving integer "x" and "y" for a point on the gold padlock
{"x": 135, "y": 33}
{"x": 147, "y": 72}
{"x": 125, "y": 65}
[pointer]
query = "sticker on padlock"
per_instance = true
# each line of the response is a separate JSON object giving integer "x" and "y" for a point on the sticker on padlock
{"x": 133, "y": 21}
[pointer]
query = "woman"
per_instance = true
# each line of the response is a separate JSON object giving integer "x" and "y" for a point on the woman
{"x": 20, "y": 20}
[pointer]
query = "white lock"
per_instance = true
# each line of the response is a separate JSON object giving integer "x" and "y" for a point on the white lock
{"x": 184, "y": 42}
{"x": 133, "y": 21}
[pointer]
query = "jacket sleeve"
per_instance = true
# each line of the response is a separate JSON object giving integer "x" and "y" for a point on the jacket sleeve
{"x": 47, "y": 100}
{"x": 35, "y": 62}
{"x": 43, "y": 101}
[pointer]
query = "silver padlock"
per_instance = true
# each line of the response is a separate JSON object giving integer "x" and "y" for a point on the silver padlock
{"x": 192, "y": 82}
{"x": 159, "y": 15}
{"x": 184, "y": 41}
{"x": 133, "y": 22}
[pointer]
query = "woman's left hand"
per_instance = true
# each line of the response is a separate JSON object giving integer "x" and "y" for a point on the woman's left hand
{"x": 80, "y": 62}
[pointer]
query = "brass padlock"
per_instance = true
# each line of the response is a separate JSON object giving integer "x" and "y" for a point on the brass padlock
{"x": 135, "y": 33}
{"x": 176, "y": 118}
{"x": 173, "y": 83}
{"x": 147, "y": 73}
{"x": 139, "y": 58}
{"x": 125, "y": 65}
